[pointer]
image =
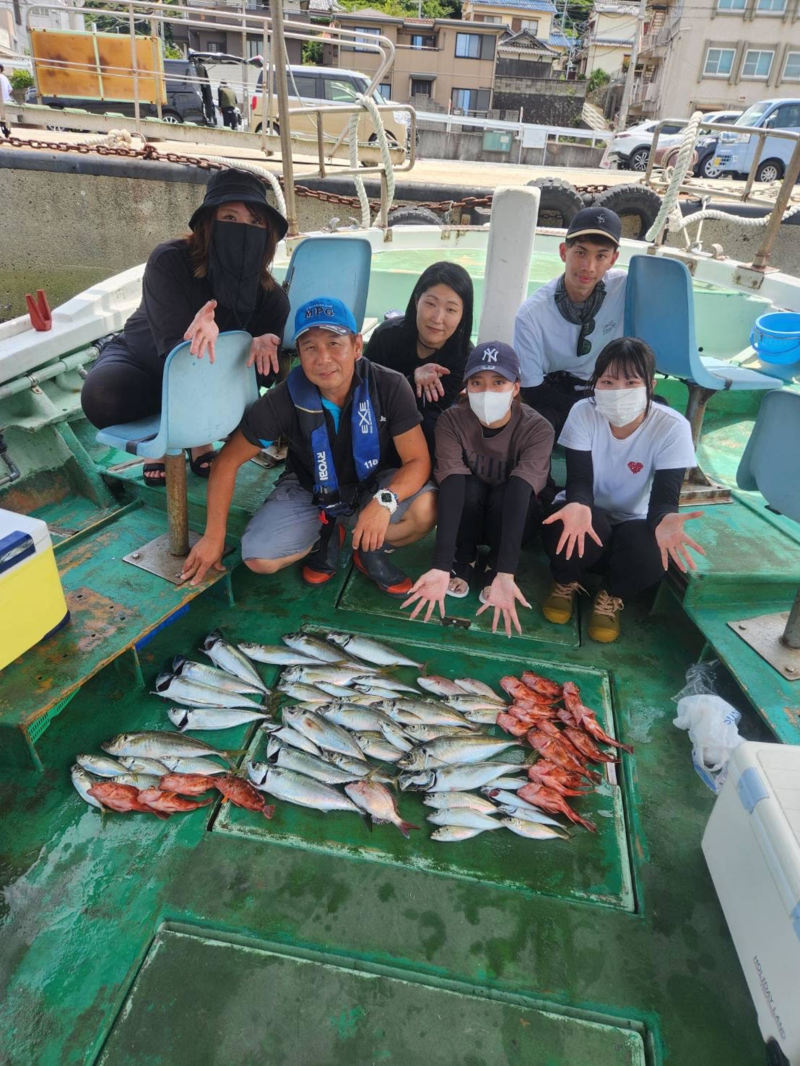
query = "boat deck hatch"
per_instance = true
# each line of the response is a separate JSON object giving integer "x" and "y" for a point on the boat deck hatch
{"x": 201, "y": 998}
{"x": 590, "y": 867}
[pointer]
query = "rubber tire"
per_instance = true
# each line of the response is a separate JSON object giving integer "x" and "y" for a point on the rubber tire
{"x": 774, "y": 165}
{"x": 172, "y": 117}
{"x": 627, "y": 200}
{"x": 702, "y": 166}
{"x": 413, "y": 216}
{"x": 558, "y": 196}
{"x": 638, "y": 159}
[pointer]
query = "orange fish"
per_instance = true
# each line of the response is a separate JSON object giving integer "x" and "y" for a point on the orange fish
{"x": 549, "y": 800}
{"x": 186, "y": 784}
{"x": 121, "y": 798}
{"x": 169, "y": 802}
{"x": 556, "y": 777}
{"x": 554, "y": 749}
{"x": 509, "y": 723}
{"x": 543, "y": 685}
{"x": 586, "y": 746}
{"x": 586, "y": 720}
{"x": 242, "y": 794}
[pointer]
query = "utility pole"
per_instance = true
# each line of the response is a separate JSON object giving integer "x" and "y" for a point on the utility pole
{"x": 622, "y": 118}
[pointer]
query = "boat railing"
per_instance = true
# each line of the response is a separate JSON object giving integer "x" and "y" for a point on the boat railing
{"x": 674, "y": 185}
{"x": 146, "y": 89}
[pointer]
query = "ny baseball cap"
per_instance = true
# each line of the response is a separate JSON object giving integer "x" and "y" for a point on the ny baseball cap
{"x": 495, "y": 356}
{"x": 325, "y": 312}
{"x": 596, "y": 222}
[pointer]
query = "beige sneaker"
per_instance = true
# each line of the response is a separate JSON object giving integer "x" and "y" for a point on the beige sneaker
{"x": 604, "y": 621}
{"x": 560, "y": 602}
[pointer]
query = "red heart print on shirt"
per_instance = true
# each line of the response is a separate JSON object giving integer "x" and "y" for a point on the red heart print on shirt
{"x": 635, "y": 467}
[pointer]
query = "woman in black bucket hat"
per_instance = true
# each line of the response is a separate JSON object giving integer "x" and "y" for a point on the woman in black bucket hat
{"x": 215, "y": 278}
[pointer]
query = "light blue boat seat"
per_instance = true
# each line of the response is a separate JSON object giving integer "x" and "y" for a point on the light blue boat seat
{"x": 770, "y": 464}
{"x": 328, "y": 266}
{"x": 659, "y": 309}
{"x": 201, "y": 402}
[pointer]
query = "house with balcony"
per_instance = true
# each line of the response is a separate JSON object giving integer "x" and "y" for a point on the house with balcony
{"x": 439, "y": 65}
{"x": 609, "y": 36}
{"x": 211, "y": 37}
{"x": 537, "y": 17}
{"x": 726, "y": 54}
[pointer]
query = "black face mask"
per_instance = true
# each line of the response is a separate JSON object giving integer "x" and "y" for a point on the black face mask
{"x": 235, "y": 256}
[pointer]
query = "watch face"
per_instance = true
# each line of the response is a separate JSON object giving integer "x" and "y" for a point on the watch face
{"x": 386, "y": 496}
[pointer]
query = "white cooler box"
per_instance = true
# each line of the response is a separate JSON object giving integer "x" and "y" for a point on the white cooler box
{"x": 752, "y": 847}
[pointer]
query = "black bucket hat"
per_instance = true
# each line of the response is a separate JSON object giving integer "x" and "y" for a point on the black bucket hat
{"x": 232, "y": 186}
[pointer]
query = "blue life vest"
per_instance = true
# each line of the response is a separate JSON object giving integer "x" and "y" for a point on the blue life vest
{"x": 364, "y": 433}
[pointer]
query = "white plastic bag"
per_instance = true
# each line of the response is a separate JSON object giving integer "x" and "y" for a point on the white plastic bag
{"x": 712, "y": 726}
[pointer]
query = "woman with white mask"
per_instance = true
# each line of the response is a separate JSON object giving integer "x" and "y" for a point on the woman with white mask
{"x": 626, "y": 458}
{"x": 492, "y": 465}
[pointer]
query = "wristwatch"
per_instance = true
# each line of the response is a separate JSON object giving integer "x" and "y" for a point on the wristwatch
{"x": 386, "y": 498}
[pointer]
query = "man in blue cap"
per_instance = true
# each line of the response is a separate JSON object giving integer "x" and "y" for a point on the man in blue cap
{"x": 357, "y": 459}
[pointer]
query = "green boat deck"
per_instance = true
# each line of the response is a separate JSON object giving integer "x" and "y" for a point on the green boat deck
{"x": 219, "y": 936}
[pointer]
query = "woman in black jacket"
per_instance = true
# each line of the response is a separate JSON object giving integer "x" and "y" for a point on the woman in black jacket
{"x": 429, "y": 345}
{"x": 216, "y": 278}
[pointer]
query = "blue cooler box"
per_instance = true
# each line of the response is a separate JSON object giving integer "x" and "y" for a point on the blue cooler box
{"x": 32, "y": 601}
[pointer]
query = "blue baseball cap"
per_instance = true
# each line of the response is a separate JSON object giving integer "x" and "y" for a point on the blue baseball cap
{"x": 495, "y": 356}
{"x": 325, "y": 312}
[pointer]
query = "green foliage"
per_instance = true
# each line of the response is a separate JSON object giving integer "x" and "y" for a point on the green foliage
{"x": 597, "y": 79}
{"x": 432, "y": 9}
{"x": 311, "y": 54}
{"x": 171, "y": 51}
{"x": 21, "y": 80}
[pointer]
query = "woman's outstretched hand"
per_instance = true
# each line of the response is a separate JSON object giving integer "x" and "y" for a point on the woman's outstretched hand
{"x": 264, "y": 353}
{"x": 502, "y": 596}
{"x": 577, "y": 521}
{"x": 430, "y": 589}
{"x": 428, "y": 381}
{"x": 674, "y": 543}
{"x": 203, "y": 332}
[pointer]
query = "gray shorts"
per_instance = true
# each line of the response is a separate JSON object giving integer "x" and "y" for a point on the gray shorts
{"x": 288, "y": 522}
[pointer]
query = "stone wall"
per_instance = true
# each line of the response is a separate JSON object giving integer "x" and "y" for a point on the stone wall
{"x": 545, "y": 101}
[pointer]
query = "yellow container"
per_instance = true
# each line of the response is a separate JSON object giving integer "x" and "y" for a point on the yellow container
{"x": 32, "y": 602}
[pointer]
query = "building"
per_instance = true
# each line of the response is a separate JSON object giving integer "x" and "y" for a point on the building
{"x": 439, "y": 64}
{"x": 719, "y": 55}
{"x": 210, "y": 37}
{"x": 538, "y": 17}
{"x": 16, "y": 16}
{"x": 609, "y": 36}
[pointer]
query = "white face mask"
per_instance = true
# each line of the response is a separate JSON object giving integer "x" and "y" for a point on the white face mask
{"x": 489, "y": 407}
{"x": 621, "y": 406}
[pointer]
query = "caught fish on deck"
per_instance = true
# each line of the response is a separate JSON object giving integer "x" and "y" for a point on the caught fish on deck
{"x": 170, "y": 802}
{"x": 454, "y": 751}
{"x": 136, "y": 764}
{"x": 314, "y": 648}
{"x": 186, "y": 784}
{"x": 242, "y": 794}
{"x": 451, "y": 834}
{"x": 467, "y": 817}
{"x": 122, "y": 798}
{"x": 200, "y": 718}
{"x": 82, "y": 782}
{"x": 371, "y": 651}
{"x": 440, "y": 686}
{"x": 160, "y": 745}
{"x": 99, "y": 765}
{"x": 214, "y": 677}
{"x": 230, "y": 659}
{"x": 378, "y": 802}
{"x": 195, "y": 694}
{"x": 303, "y": 791}
{"x": 534, "y": 830}
{"x": 479, "y": 688}
{"x": 276, "y": 655}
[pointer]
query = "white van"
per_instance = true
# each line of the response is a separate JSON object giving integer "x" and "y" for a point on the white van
{"x": 736, "y": 151}
{"x": 313, "y": 86}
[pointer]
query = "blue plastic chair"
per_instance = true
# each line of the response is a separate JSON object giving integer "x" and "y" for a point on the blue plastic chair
{"x": 328, "y": 266}
{"x": 659, "y": 309}
{"x": 201, "y": 401}
{"x": 770, "y": 464}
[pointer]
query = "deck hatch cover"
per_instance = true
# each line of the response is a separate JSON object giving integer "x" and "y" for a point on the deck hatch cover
{"x": 199, "y": 998}
{"x": 590, "y": 867}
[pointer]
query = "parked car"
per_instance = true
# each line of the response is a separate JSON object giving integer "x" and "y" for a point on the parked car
{"x": 313, "y": 86}
{"x": 630, "y": 150}
{"x": 705, "y": 147}
{"x": 736, "y": 151}
{"x": 184, "y": 97}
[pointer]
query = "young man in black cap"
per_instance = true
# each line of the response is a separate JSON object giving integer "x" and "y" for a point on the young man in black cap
{"x": 217, "y": 278}
{"x": 357, "y": 459}
{"x": 561, "y": 329}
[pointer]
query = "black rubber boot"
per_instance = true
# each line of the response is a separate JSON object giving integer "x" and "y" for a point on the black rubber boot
{"x": 319, "y": 565}
{"x": 379, "y": 567}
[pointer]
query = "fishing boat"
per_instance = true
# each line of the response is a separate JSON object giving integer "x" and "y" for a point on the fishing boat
{"x": 220, "y": 936}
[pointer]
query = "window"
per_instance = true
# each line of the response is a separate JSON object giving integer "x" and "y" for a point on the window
{"x": 385, "y": 89}
{"x": 731, "y": 5}
{"x": 474, "y": 46}
{"x": 719, "y": 62}
{"x": 215, "y": 46}
{"x": 304, "y": 85}
{"x": 757, "y": 64}
{"x": 364, "y": 31}
{"x": 785, "y": 117}
{"x": 422, "y": 40}
{"x": 420, "y": 87}
{"x": 470, "y": 101}
{"x": 791, "y": 68}
{"x": 771, "y": 7}
{"x": 340, "y": 90}
{"x": 531, "y": 25}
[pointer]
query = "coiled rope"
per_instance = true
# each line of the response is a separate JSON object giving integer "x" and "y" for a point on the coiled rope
{"x": 361, "y": 192}
{"x": 679, "y": 171}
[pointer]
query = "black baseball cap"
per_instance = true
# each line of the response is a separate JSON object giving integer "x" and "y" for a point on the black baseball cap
{"x": 596, "y": 222}
{"x": 238, "y": 186}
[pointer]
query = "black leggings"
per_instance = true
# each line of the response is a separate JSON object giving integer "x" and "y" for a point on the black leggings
{"x": 629, "y": 559}
{"x": 482, "y": 520}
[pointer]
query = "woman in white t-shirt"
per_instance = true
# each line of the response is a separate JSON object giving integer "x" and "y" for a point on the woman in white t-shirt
{"x": 626, "y": 458}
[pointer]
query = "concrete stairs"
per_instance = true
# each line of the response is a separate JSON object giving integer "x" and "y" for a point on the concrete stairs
{"x": 594, "y": 117}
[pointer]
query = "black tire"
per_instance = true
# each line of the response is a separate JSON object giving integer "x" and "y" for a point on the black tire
{"x": 558, "y": 197}
{"x": 172, "y": 117}
{"x": 413, "y": 216}
{"x": 638, "y": 158}
{"x": 706, "y": 169}
{"x": 631, "y": 201}
{"x": 769, "y": 170}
